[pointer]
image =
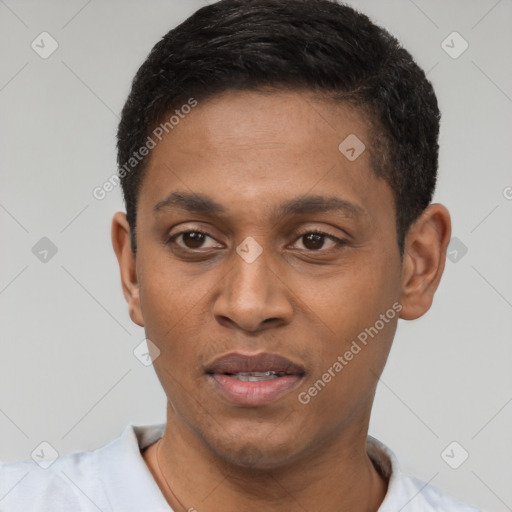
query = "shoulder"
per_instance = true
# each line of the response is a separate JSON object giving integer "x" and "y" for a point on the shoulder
{"x": 419, "y": 496}
{"x": 112, "y": 477}
{"x": 407, "y": 493}
{"x": 26, "y": 486}
{"x": 70, "y": 483}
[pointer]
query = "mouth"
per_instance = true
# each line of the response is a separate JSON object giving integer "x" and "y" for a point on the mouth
{"x": 254, "y": 380}
{"x": 256, "y": 376}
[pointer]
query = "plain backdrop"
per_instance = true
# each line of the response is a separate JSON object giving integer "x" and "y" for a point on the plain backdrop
{"x": 68, "y": 373}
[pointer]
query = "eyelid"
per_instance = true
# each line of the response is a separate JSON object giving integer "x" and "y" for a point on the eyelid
{"x": 313, "y": 227}
{"x": 296, "y": 236}
{"x": 337, "y": 240}
{"x": 172, "y": 238}
{"x": 188, "y": 229}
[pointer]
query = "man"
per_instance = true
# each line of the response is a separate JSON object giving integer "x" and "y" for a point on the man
{"x": 278, "y": 160}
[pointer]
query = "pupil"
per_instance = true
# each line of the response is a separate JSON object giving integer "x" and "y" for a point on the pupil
{"x": 313, "y": 241}
{"x": 193, "y": 239}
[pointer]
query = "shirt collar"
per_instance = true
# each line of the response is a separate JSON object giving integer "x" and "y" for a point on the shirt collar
{"x": 131, "y": 486}
{"x": 136, "y": 489}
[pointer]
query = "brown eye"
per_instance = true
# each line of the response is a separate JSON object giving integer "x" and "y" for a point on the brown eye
{"x": 193, "y": 239}
{"x": 313, "y": 241}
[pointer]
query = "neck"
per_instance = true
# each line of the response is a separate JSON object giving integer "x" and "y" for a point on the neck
{"x": 337, "y": 476}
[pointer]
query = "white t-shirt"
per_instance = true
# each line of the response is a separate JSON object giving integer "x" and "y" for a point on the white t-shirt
{"x": 115, "y": 478}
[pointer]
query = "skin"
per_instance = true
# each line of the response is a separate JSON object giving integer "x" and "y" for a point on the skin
{"x": 250, "y": 152}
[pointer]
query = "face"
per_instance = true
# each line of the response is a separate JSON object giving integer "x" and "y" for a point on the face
{"x": 263, "y": 247}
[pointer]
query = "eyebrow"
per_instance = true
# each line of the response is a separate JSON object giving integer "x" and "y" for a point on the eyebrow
{"x": 197, "y": 203}
{"x": 201, "y": 203}
{"x": 319, "y": 204}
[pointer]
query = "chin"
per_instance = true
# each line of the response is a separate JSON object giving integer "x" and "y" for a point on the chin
{"x": 252, "y": 457}
{"x": 252, "y": 449}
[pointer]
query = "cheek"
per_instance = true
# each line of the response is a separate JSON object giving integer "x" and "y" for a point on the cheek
{"x": 346, "y": 379}
{"x": 176, "y": 308}
{"x": 167, "y": 295}
{"x": 356, "y": 313}
{"x": 350, "y": 300}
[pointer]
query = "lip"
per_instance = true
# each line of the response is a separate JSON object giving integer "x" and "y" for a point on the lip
{"x": 236, "y": 362}
{"x": 253, "y": 394}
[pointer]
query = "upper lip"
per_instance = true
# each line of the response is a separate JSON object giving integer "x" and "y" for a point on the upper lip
{"x": 235, "y": 362}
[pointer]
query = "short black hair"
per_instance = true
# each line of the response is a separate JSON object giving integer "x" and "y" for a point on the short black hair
{"x": 322, "y": 46}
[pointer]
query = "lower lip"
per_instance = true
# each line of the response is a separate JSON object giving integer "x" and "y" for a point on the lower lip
{"x": 254, "y": 393}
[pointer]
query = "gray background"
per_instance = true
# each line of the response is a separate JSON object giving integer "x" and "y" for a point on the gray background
{"x": 68, "y": 374}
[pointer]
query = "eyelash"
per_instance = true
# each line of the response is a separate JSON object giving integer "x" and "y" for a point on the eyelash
{"x": 338, "y": 241}
{"x": 172, "y": 238}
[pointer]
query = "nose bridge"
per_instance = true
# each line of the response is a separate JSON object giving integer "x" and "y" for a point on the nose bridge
{"x": 250, "y": 277}
{"x": 251, "y": 292}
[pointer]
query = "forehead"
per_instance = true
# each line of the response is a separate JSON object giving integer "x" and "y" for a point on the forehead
{"x": 253, "y": 120}
{"x": 251, "y": 148}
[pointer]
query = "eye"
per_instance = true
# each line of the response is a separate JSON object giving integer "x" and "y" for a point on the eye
{"x": 316, "y": 240}
{"x": 193, "y": 239}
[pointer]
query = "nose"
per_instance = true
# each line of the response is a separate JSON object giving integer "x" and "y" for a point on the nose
{"x": 253, "y": 297}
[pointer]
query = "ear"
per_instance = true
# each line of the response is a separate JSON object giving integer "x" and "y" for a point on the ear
{"x": 424, "y": 260}
{"x": 127, "y": 266}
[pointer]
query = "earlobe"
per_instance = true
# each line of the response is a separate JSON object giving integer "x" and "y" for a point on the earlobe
{"x": 424, "y": 260}
{"x": 127, "y": 266}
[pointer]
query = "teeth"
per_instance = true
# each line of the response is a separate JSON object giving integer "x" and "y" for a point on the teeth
{"x": 256, "y": 376}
